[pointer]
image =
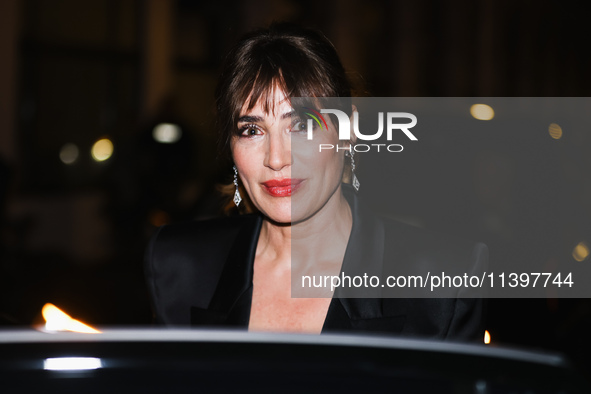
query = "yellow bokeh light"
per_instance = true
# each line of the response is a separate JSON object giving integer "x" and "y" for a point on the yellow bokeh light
{"x": 486, "y": 337}
{"x": 555, "y": 131}
{"x": 581, "y": 251}
{"x": 102, "y": 149}
{"x": 482, "y": 112}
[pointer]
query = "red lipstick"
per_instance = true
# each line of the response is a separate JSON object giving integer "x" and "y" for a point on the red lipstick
{"x": 281, "y": 187}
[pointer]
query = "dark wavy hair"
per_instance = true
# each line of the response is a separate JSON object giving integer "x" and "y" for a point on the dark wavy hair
{"x": 300, "y": 62}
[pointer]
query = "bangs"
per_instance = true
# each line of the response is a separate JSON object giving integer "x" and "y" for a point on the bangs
{"x": 263, "y": 92}
{"x": 291, "y": 73}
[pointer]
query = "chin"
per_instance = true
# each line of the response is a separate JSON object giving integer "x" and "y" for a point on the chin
{"x": 279, "y": 213}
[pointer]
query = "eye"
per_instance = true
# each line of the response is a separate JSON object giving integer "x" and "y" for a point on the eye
{"x": 250, "y": 130}
{"x": 300, "y": 125}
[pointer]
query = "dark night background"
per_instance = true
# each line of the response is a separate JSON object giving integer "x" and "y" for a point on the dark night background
{"x": 73, "y": 72}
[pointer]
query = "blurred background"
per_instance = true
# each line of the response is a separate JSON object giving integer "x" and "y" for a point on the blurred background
{"x": 106, "y": 133}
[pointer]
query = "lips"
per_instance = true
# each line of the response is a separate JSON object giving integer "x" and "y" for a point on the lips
{"x": 281, "y": 187}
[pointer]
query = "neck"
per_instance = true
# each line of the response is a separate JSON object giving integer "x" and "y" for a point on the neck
{"x": 316, "y": 244}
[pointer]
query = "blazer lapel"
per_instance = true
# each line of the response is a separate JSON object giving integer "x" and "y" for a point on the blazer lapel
{"x": 364, "y": 308}
{"x": 365, "y": 249}
{"x": 377, "y": 315}
{"x": 230, "y": 305}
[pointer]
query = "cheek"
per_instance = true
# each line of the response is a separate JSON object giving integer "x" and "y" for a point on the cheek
{"x": 322, "y": 163}
{"x": 239, "y": 150}
{"x": 307, "y": 155}
{"x": 239, "y": 159}
{"x": 246, "y": 161}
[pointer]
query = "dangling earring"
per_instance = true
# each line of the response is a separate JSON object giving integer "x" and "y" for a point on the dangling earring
{"x": 354, "y": 180}
{"x": 237, "y": 197}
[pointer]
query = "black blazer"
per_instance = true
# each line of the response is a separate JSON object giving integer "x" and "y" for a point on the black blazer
{"x": 200, "y": 273}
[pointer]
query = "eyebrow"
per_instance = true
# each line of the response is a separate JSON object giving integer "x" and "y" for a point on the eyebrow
{"x": 255, "y": 119}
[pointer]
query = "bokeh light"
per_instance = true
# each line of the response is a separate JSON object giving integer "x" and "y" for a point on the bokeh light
{"x": 102, "y": 149}
{"x": 482, "y": 112}
{"x": 555, "y": 131}
{"x": 581, "y": 251}
{"x": 69, "y": 153}
{"x": 167, "y": 133}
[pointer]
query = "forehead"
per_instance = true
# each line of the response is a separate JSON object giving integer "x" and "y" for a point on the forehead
{"x": 273, "y": 103}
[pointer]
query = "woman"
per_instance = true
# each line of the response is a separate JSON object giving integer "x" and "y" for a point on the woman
{"x": 238, "y": 271}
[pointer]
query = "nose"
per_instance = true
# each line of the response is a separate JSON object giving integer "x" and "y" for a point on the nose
{"x": 278, "y": 155}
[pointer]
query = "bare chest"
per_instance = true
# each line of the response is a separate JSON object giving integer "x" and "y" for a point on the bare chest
{"x": 273, "y": 309}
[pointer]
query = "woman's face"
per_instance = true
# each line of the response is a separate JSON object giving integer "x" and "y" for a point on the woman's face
{"x": 277, "y": 164}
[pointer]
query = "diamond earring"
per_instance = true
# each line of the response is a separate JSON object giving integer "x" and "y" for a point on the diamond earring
{"x": 354, "y": 180}
{"x": 237, "y": 197}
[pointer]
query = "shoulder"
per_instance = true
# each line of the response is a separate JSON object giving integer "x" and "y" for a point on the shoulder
{"x": 202, "y": 232}
{"x": 428, "y": 243}
{"x": 210, "y": 239}
{"x": 402, "y": 239}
